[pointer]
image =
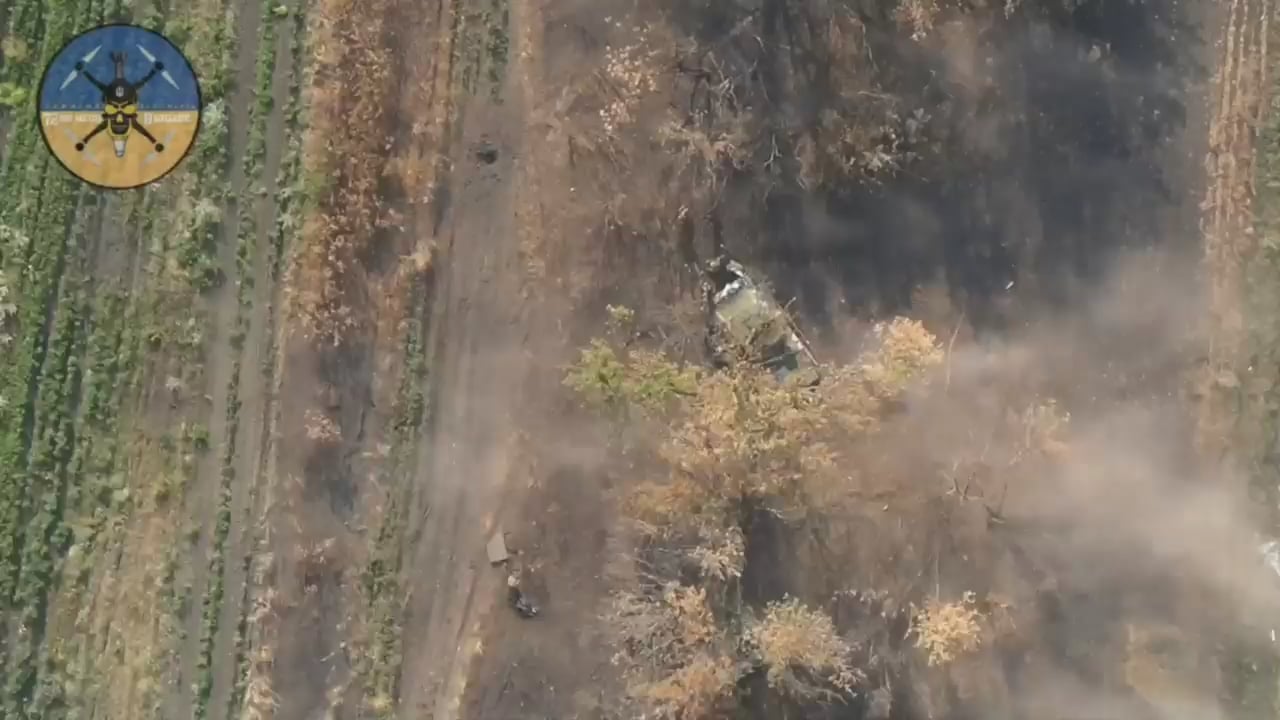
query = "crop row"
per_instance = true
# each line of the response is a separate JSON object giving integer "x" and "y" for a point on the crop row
{"x": 289, "y": 186}
{"x": 111, "y": 358}
{"x": 263, "y": 100}
{"x": 286, "y": 180}
{"x": 195, "y": 244}
{"x": 48, "y": 475}
{"x": 31, "y": 402}
{"x": 69, "y": 470}
{"x": 208, "y": 161}
{"x": 246, "y": 250}
{"x": 49, "y": 437}
{"x": 380, "y": 665}
{"x": 59, "y": 424}
{"x": 91, "y": 494}
{"x": 212, "y": 603}
{"x": 41, "y": 214}
{"x": 26, "y": 21}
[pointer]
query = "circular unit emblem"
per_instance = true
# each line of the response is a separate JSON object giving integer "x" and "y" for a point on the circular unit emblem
{"x": 119, "y": 106}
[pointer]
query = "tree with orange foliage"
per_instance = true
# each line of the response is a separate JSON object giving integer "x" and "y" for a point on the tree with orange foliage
{"x": 733, "y": 442}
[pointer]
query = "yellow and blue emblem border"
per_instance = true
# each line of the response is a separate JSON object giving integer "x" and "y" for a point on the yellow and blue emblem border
{"x": 180, "y": 115}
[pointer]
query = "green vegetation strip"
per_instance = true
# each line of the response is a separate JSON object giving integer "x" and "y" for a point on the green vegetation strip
{"x": 45, "y": 485}
{"x": 197, "y": 244}
{"x": 380, "y": 666}
{"x": 39, "y": 381}
{"x": 69, "y": 369}
{"x": 286, "y": 181}
{"x": 97, "y": 497}
{"x": 246, "y": 251}
{"x": 480, "y": 45}
{"x": 212, "y": 604}
{"x": 70, "y": 473}
{"x": 289, "y": 194}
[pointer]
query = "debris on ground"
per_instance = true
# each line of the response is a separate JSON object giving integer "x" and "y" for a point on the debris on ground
{"x": 497, "y": 548}
{"x": 521, "y": 602}
{"x": 499, "y": 554}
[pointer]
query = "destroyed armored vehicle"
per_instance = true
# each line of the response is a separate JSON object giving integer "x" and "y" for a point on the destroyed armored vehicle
{"x": 746, "y": 322}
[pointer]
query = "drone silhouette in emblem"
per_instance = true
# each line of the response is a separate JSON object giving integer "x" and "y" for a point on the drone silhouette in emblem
{"x": 119, "y": 100}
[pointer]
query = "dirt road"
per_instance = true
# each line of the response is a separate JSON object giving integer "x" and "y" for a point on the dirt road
{"x": 479, "y": 325}
{"x": 460, "y": 109}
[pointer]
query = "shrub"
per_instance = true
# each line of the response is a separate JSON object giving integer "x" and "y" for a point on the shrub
{"x": 947, "y": 630}
{"x": 12, "y": 95}
{"x": 906, "y": 349}
{"x": 801, "y": 649}
{"x": 631, "y": 73}
{"x": 677, "y": 662}
{"x": 14, "y": 49}
{"x": 643, "y": 380}
{"x": 917, "y": 16}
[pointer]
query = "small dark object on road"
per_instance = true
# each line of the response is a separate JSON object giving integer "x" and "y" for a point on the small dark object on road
{"x": 487, "y": 153}
{"x": 522, "y": 604}
{"x": 524, "y": 607}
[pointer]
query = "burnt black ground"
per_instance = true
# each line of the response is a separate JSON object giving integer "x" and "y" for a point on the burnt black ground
{"x": 1080, "y": 167}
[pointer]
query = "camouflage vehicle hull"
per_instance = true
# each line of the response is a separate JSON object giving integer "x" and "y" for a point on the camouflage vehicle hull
{"x": 747, "y": 324}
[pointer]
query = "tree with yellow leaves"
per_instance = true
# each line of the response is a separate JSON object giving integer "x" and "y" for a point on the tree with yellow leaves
{"x": 804, "y": 655}
{"x": 947, "y": 630}
{"x": 733, "y": 443}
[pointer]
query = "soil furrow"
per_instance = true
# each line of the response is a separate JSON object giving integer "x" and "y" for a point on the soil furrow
{"x": 258, "y": 400}
{"x": 220, "y": 359}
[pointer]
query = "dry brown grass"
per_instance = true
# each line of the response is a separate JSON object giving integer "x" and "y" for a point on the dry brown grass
{"x": 630, "y": 73}
{"x": 260, "y": 699}
{"x": 321, "y": 428}
{"x": 415, "y": 168}
{"x": 1230, "y": 239}
{"x": 676, "y": 660}
{"x": 917, "y": 16}
{"x": 347, "y": 140}
{"x": 316, "y": 560}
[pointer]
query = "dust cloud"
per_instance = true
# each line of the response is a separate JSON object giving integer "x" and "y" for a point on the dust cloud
{"x": 1055, "y": 468}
